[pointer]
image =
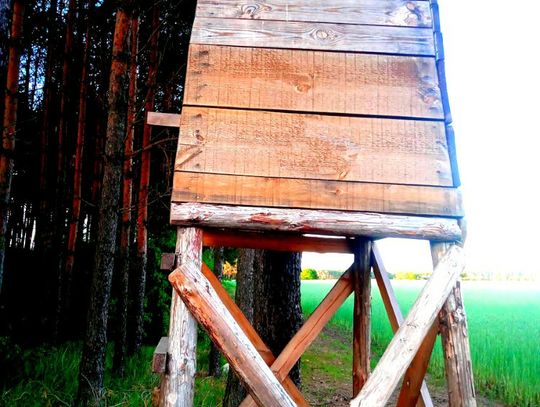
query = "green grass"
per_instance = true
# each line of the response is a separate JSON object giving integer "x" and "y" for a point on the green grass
{"x": 504, "y": 329}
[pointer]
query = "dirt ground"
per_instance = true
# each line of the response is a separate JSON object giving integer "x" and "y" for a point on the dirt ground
{"x": 323, "y": 388}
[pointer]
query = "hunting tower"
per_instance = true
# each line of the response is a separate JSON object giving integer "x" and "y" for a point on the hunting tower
{"x": 304, "y": 120}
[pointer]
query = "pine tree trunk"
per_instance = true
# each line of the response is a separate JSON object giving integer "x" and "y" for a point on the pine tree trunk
{"x": 125, "y": 228}
{"x": 93, "y": 355}
{"x": 214, "y": 357}
{"x": 277, "y": 310}
{"x": 5, "y": 11}
{"x": 234, "y": 391}
{"x": 10, "y": 122}
{"x": 144, "y": 182}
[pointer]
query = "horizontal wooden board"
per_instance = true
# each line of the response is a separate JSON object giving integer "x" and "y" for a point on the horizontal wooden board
{"x": 272, "y": 144}
{"x": 313, "y": 81}
{"x": 315, "y": 194}
{"x": 313, "y": 36}
{"x": 376, "y": 12}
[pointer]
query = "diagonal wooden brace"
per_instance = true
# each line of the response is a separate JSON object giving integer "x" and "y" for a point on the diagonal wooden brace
{"x": 252, "y": 335}
{"x": 414, "y": 390}
{"x": 205, "y": 305}
{"x": 405, "y": 344}
{"x": 311, "y": 328}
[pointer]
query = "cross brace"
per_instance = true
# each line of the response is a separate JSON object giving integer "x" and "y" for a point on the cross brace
{"x": 266, "y": 377}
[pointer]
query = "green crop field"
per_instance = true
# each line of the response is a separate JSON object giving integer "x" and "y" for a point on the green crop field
{"x": 504, "y": 329}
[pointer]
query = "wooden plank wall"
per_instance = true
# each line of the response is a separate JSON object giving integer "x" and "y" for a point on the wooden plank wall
{"x": 333, "y": 104}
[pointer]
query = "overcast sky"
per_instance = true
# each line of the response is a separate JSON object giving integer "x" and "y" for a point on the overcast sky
{"x": 492, "y": 53}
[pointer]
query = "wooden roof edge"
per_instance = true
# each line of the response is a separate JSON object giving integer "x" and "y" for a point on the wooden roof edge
{"x": 441, "y": 74}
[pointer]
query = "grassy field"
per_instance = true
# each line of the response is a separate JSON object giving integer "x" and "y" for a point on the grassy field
{"x": 504, "y": 328}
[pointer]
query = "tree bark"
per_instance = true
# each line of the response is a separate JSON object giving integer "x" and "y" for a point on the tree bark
{"x": 234, "y": 391}
{"x": 9, "y": 125}
{"x": 93, "y": 355}
{"x": 214, "y": 357}
{"x": 277, "y": 312}
{"x": 144, "y": 182}
{"x": 127, "y": 188}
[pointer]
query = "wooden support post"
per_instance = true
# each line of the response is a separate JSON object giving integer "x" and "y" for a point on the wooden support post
{"x": 361, "y": 314}
{"x": 206, "y": 306}
{"x": 414, "y": 390}
{"x": 455, "y": 341}
{"x": 309, "y": 331}
{"x": 405, "y": 344}
{"x": 177, "y": 385}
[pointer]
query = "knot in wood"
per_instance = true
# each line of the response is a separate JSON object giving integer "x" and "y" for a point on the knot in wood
{"x": 253, "y": 10}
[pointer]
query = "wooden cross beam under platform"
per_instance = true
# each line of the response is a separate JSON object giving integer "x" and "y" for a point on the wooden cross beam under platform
{"x": 317, "y": 126}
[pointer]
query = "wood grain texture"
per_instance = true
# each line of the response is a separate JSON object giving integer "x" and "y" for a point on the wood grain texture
{"x": 396, "y": 320}
{"x": 361, "y": 314}
{"x": 334, "y": 223}
{"x": 272, "y": 144}
{"x": 313, "y": 81}
{"x": 204, "y": 303}
{"x": 316, "y": 194}
{"x": 251, "y": 334}
{"x": 405, "y": 344}
{"x": 178, "y": 384}
{"x": 276, "y": 241}
{"x": 375, "y": 12}
{"x": 455, "y": 341}
{"x": 310, "y": 329}
{"x": 314, "y": 36}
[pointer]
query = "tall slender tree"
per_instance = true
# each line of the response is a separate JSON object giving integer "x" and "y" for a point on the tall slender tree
{"x": 9, "y": 124}
{"x": 127, "y": 189}
{"x": 144, "y": 183}
{"x": 93, "y": 356}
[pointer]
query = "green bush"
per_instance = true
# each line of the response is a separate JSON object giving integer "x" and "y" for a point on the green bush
{"x": 309, "y": 274}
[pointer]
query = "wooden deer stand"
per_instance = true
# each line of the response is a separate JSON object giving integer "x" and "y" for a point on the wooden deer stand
{"x": 306, "y": 118}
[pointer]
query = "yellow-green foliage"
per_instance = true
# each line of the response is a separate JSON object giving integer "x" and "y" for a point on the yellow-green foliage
{"x": 309, "y": 274}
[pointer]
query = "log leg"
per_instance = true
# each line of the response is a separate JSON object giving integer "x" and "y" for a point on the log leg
{"x": 362, "y": 314}
{"x": 455, "y": 341}
{"x": 177, "y": 384}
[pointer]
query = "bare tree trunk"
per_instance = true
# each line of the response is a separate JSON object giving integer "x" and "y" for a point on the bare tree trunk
{"x": 214, "y": 357}
{"x": 277, "y": 310}
{"x": 120, "y": 350}
{"x": 144, "y": 182}
{"x": 10, "y": 123}
{"x": 93, "y": 355}
{"x": 234, "y": 391}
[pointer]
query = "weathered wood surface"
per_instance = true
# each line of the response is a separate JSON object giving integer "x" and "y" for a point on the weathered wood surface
{"x": 372, "y": 225}
{"x": 323, "y": 147}
{"x": 361, "y": 314}
{"x": 410, "y": 335}
{"x": 251, "y": 334}
{"x": 314, "y": 36}
{"x": 396, "y": 320}
{"x": 159, "y": 358}
{"x": 163, "y": 119}
{"x": 390, "y": 12}
{"x": 276, "y": 241}
{"x": 168, "y": 261}
{"x": 284, "y": 79}
{"x": 413, "y": 380}
{"x": 204, "y": 303}
{"x": 316, "y": 194}
{"x": 455, "y": 341}
{"x": 177, "y": 385}
{"x": 310, "y": 329}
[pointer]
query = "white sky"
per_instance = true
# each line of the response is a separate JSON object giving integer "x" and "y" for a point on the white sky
{"x": 492, "y": 51}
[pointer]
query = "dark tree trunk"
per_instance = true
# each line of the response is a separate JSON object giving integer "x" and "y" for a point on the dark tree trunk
{"x": 214, "y": 358}
{"x": 277, "y": 310}
{"x": 10, "y": 122}
{"x": 93, "y": 355}
{"x": 4, "y": 42}
{"x": 234, "y": 391}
